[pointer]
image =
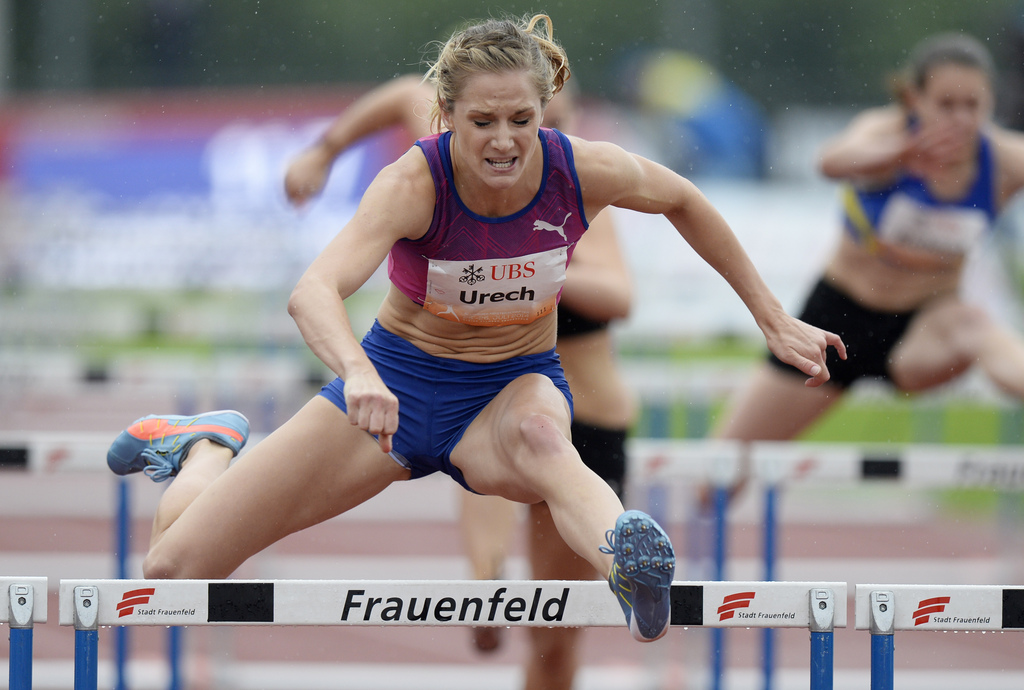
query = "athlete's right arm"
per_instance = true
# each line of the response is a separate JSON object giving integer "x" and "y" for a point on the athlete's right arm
{"x": 317, "y": 302}
{"x": 872, "y": 147}
{"x": 402, "y": 101}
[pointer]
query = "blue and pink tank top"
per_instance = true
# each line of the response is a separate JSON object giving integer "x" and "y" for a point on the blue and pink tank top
{"x": 493, "y": 271}
{"x": 906, "y": 213}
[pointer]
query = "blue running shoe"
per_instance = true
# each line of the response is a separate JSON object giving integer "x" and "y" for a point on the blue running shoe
{"x": 157, "y": 444}
{"x": 642, "y": 573}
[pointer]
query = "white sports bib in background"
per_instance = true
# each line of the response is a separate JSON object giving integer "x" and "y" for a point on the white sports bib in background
{"x": 944, "y": 229}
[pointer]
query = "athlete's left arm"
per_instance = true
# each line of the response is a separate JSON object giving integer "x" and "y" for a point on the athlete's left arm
{"x": 611, "y": 176}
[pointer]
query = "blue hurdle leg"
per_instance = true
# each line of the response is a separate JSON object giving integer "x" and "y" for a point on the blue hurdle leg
{"x": 20, "y": 675}
{"x": 768, "y": 648}
{"x": 883, "y": 639}
{"x": 822, "y": 616}
{"x": 21, "y": 605}
{"x": 87, "y": 659}
{"x": 822, "y": 663}
{"x": 121, "y": 539}
{"x": 718, "y": 634}
{"x": 882, "y": 666}
{"x": 174, "y": 644}
{"x": 87, "y": 638}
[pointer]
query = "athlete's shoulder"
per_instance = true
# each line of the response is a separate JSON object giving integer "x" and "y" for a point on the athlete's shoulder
{"x": 597, "y": 157}
{"x": 408, "y": 179}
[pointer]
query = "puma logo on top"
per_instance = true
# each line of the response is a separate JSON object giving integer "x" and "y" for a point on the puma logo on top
{"x": 544, "y": 225}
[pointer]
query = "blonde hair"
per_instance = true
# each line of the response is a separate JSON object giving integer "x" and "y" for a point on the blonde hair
{"x": 498, "y": 45}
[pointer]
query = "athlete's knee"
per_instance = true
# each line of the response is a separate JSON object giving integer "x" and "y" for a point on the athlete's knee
{"x": 968, "y": 326}
{"x": 159, "y": 565}
{"x": 165, "y": 563}
{"x": 543, "y": 434}
{"x": 541, "y": 446}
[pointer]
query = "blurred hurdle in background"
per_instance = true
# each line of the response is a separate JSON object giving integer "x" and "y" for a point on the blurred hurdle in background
{"x": 51, "y": 453}
{"x": 884, "y": 609}
{"x": 89, "y": 604}
{"x": 773, "y": 466}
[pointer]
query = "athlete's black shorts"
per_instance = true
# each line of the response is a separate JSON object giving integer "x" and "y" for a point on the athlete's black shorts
{"x": 870, "y": 336}
{"x": 604, "y": 451}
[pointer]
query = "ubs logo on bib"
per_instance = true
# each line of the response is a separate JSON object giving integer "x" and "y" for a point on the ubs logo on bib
{"x": 515, "y": 290}
{"x": 471, "y": 275}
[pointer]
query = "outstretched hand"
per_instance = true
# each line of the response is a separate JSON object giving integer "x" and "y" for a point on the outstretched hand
{"x": 307, "y": 175}
{"x": 930, "y": 150}
{"x": 804, "y": 347}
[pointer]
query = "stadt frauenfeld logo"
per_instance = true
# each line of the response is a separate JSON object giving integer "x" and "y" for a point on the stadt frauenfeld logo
{"x": 926, "y": 607}
{"x": 740, "y": 600}
{"x": 133, "y": 598}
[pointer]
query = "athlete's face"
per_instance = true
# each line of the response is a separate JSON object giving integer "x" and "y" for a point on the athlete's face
{"x": 494, "y": 124}
{"x": 957, "y": 100}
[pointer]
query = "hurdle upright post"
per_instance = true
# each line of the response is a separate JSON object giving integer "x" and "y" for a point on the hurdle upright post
{"x": 122, "y": 533}
{"x": 771, "y": 477}
{"x": 883, "y": 639}
{"x": 822, "y": 623}
{"x": 87, "y": 637}
{"x": 21, "y": 606}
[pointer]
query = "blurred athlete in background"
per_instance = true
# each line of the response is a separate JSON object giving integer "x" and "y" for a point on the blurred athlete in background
{"x": 922, "y": 182}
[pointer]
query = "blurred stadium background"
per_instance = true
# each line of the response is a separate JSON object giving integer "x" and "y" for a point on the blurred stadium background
{"x": 144, "y": 234}
{"x": 147, "y": 252}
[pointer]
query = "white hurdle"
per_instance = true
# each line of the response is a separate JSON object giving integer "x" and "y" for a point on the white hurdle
{"x": 90, "y": 604}
{"x": 884, "y": 609}
{"x": 919, "y": 465}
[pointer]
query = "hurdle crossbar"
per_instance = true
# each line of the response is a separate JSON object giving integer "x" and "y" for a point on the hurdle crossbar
{"x": 926, "y": 465}
{"x": 25, "y": 606}
{"x": 50, "y": 451}
{"x": 538, "y": 603}
{"x": 885, "y": 609}
{"x": 89, "y": 604}
{"x": 945, "y": 607}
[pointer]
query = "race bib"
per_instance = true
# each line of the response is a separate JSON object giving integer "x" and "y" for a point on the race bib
{"x": 495, "y": 292}
{"x": 947, "y": 229}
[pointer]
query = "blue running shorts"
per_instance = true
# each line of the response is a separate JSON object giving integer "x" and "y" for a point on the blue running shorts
{"x": 439, "y": 397}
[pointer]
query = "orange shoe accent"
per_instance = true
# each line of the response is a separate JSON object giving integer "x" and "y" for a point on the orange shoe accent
{"x": 161, "y": 428}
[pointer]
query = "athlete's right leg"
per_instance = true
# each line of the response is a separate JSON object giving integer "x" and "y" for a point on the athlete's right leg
{"x": 487, "y": 524}
{"x": 312, "y": 468}
{"x": 554, "y": 658}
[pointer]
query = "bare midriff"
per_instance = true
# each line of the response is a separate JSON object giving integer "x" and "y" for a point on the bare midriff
{"x": 442, "y": 338}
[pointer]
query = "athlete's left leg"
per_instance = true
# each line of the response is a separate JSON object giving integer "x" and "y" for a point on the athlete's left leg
{"x": 518, "y": 447}
{"x": 948, "y": 337}
{"x": 487, "y": 524}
